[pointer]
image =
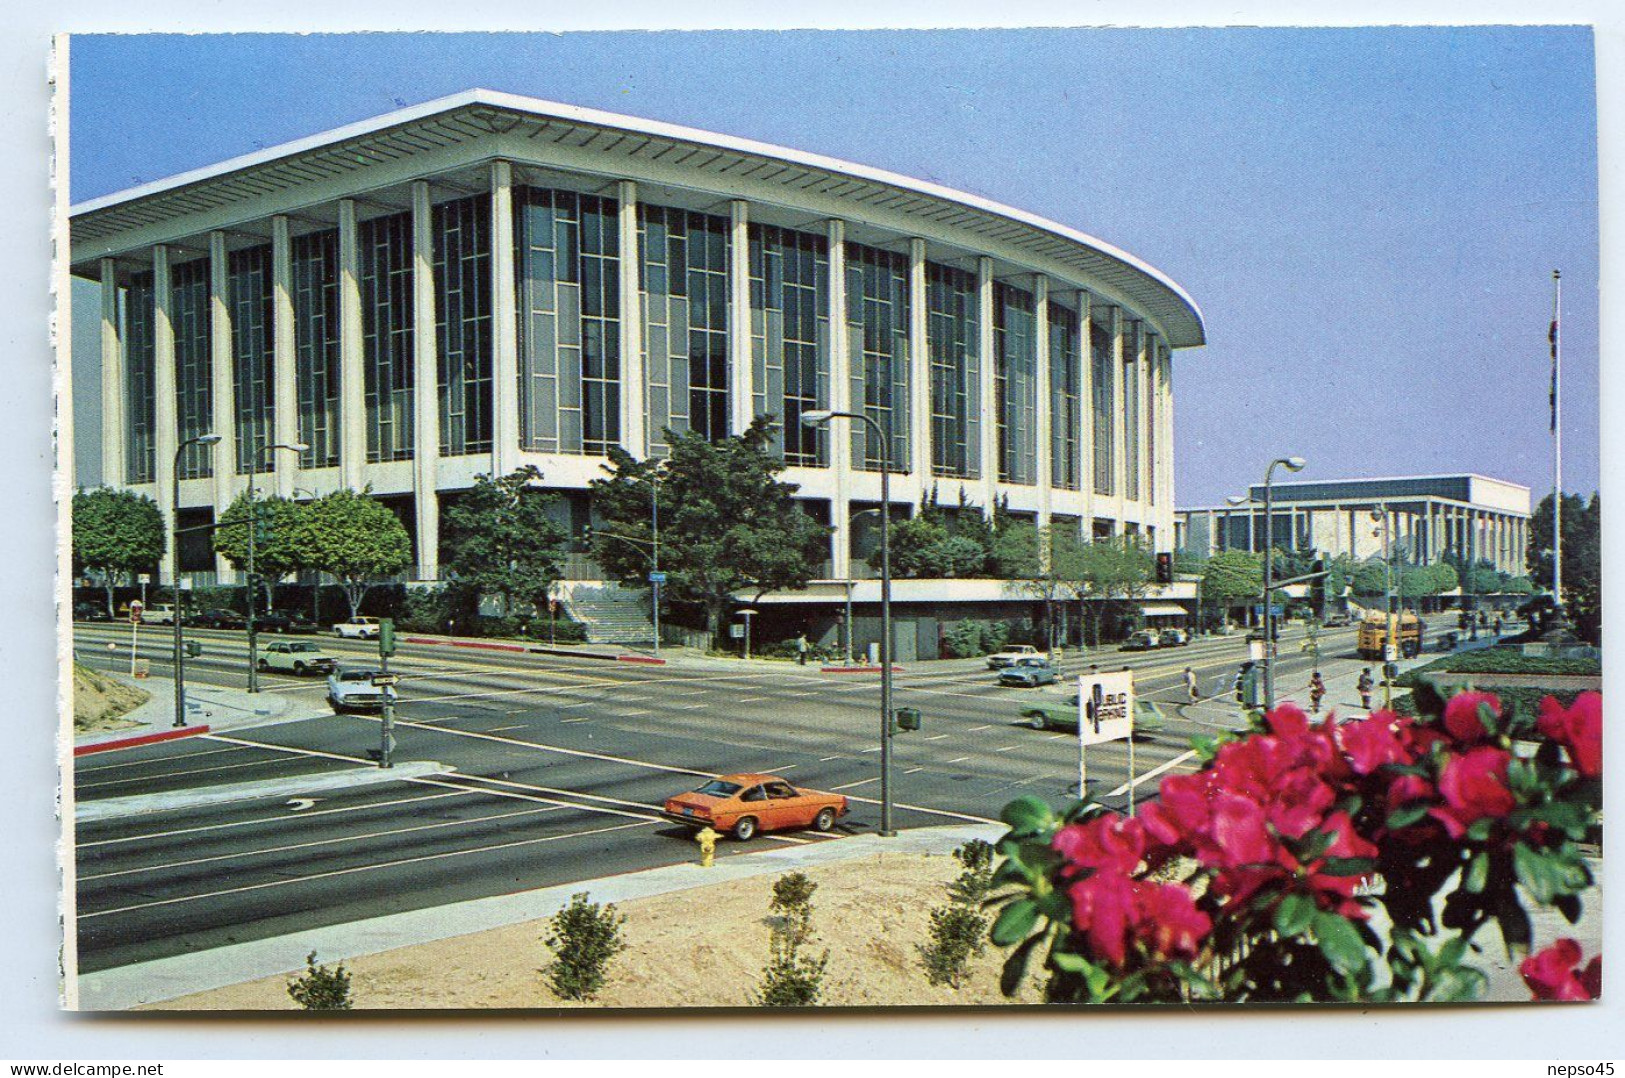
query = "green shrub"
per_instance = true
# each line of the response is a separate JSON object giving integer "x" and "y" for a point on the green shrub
{"x": 791, "y": 977}
{"x": 959, "y": 929}
{"x": 583, "y": 937}
{"x": 321, "y": 988}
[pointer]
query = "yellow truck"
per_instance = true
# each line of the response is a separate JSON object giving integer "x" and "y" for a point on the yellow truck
{"x": 1373, "y": 639}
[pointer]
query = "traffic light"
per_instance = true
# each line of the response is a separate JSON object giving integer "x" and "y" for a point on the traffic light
{"x": 1165, "y": 568}
{"x": 193, "y": 649}
{"x": 1317, "y": 585}
{"x": 386, "y": 637}
{"x": 908, "y": 718}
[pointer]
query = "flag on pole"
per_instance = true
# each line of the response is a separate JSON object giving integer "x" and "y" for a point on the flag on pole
{"x": 1552, "y": 336}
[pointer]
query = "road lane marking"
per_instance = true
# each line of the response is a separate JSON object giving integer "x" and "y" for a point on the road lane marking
{"x": 1153, "y": 773}
{"x": 176, "y": 774}
{"x": 911, "y": 770}
{"x": 872, "y": 748}
{"x": 751, "y": 699}
{"x": 567, "y": 722}
{"x": 984, "y": 726}
{"x": 630, "y": 714}
{"x": 283, "y": 818}
{"x": 936, "y": 737}
{"x": 504, "y": 729}
{"x": 776, "y": 770}
{"x": 1006, "y": 748}
{"x": 172, "y": 758}
{"x": 691, "y": 707}
{"x": 1055, "y": 737}
{"x": 827, "y": 759}
{"x": 293, "y": 749}
{"x": 851, "y": 785}
{"x": 959, "y": 759}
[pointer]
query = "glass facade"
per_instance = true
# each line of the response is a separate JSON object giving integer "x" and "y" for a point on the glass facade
{"x": 1065, "y": 398}
{"x": 1103, "y": 372}
{"x": 1133, "y": 340}
{"x": 950, "y": 312}
{"x": 790, "y": 336}
{"x": 462, "y": 304}
{"x": 387, "y": 340}
{"x": 194, "y": 385}
{"x": 877, "y": 336}
{"x": 140, "y": 381}
{"x": 684, "y": 279}
{"x": 1015, "y": 383}
{"x": 248, "y": 297}
{"x": 568, "y": 264}
{"x": 315, "y": 285}
{"x": 1153, "y": 409}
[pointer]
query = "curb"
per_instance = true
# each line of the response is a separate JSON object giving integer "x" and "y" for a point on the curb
{"x": 480, "y": 644}
{"x": 858, "y": 669}
{"x": 137, "y": 740}
{"x": 646, "y": 660}
{"x": 115, "y": 807}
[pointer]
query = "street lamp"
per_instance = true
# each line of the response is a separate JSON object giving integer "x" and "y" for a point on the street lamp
{"x": 1390, "y": 648}
{"x": 1291, "y": 464}
{"x": 253, "y": 532}
{"x": 819, "y": 418}
{"x": 175, "y": 568}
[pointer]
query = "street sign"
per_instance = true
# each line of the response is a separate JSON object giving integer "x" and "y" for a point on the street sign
{"x": 1105, "y": 707}
{"x": 657, "y": 578}
{"x": 144, "y": 578}
{"x": 737, "y": 630}
{"x": 381, "y": 680}
{"x": 135, "y": 612}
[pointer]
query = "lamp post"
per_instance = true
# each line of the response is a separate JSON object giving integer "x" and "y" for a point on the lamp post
{"x": 253, "y": 534}
{"x": 175, "y": 569}
{"x": 1291, "y": 464}
{"x": 821, "y": 418}
{"x": 849, "y": 585}
{"x": 656, "y": 577}
{"x": 1390, "y": 648}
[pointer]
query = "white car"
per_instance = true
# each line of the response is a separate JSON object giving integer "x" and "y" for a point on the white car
{"x": 357, "y": 629}
{"x": 158, "y": 614}
{"x": 297, "y": 657}
{"x": 353, "y": 690}
{"x": 1012, "y": 655}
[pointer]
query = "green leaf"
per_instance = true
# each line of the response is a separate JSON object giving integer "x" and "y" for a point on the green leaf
{"x": 1478, "y": 873}
{"x": 1350, "y": 866}
{"x": 1294, "y": 915}
{"x": 1015, "y": 967}
{"x": 1340, "y": 942}
{"x": 1480, "y": 829}
{"x": 1535, "y": 872}
{"x": 1014, "y": 922}
{"x": 1067, "y": 962}
{"x": 1027, "y": 814}
{"x": 1406, "y": 815}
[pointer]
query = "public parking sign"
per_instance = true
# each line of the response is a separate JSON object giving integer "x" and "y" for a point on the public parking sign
{"x": 1105, "y": 707}
{"x": 135, "y": 611}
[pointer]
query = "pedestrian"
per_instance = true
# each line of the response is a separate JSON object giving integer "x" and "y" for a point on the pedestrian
{"x": 1190, "y": 685}
{"x": 1317, "y": 692}
{"x": 801, "y": 650}
{"x": 1500, "y": 624}
{"x": 1365, "y": 685}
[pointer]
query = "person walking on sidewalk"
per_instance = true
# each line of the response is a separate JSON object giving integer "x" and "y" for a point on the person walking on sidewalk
{"x": 801, "y": 650}
{"x": 1365, "y": 685}
{"x": 1190, "y": 685}
{"x": 1317, "y": 692}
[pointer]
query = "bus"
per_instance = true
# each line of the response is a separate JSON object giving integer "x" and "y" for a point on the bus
{"x": 1373, "y": 639}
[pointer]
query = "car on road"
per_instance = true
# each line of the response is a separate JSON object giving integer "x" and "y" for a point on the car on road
{"x": 217, "y": 618}
{"x": 297, "y": 657}
{"x": 1173, "y": 638}
{"x": 1061, "y": 713}
{"x": 1030, "y": 672}
{"x": 352, "y": 689}
{"x": 744, "y": 805}
{"x": 1011, "y": 655}
{"x": 275, "y": 621}
{"x": 1337, "y": 621}
{"x": 357, "y": 629}
{"x": 1144, "y": 640}
{"x": 90, "y": 612}
{"x": 158, "y": 614}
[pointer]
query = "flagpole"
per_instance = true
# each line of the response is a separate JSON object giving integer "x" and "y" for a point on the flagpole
{"x": 1557, "y": 443}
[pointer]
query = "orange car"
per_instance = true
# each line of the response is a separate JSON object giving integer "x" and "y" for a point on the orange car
{"x": 746, "y": 804}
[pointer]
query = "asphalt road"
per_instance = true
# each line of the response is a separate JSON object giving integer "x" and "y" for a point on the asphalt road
{"x": 558, "y": 767}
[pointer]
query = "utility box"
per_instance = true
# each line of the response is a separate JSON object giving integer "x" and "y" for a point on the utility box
{"x": 908, "y": 718}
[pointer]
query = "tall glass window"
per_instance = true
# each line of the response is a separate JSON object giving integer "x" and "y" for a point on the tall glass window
{"x": 950, "y": 332}
{"x": 569, "y": 321}
{"x": 1103, "y": 373}
{"x": 387, "y": 340}
{"x": 140, "y": 377}
{"x": 790, "y": 336}
{"x": 194, "y": 386}
{"x": 1015, "y": 383}
{"x": 248, "y": 296}
{"x": 1065, "y": 395}
{"x": 877, "y": 335}
{"x": 685, "y": 322}
{"x": 462, "y": 285}
{"x": 315, "y": 284}
{"x": 1153, "y": 408}
{"x": 1133, "y": 337}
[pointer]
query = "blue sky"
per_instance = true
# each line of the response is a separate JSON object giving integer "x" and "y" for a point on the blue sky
{"x": 1368, "y": 217}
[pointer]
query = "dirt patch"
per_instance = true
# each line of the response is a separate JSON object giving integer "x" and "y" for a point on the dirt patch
{"x": 100, "y": 701}
{"x": 703, "y": 947}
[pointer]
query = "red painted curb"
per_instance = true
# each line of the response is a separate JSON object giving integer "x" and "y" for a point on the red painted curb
{"x": 141, "y": 739}
{"x": 646, "y": 660}
{"x": 482, "y": 644}
{"x": 857, "y": 669}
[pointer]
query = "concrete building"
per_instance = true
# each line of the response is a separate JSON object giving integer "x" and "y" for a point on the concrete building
{"x": 487, "y": 281}
{"x": 1469, "y": 517}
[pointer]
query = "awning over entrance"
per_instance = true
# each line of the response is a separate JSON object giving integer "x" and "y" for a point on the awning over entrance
{"x": 1164, "y": 610}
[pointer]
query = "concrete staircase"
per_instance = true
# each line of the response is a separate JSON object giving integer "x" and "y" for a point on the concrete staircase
{"x": 612, "y": 614}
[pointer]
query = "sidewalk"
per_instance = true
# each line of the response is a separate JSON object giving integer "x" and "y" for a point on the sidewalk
{"x": 206, "y": 706}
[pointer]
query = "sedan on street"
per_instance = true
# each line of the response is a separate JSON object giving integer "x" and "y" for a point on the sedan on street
{"x": 743, "y": 805}
{"x": 1010, "y": 655}
{"x": 1061, "y": 713}
{"x": 1028, "y": 673}
{"x": 357, "y": 629}
{"x": 297, "y": 657}
{"x": 353, "y": 690}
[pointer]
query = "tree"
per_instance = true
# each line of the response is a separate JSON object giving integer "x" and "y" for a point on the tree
{"x": 500, "y": 540}
{"x": 277, "y": 551}
{"x": 727, "y": 524}
{"x": 1118, "y": 569}
{"x": 1582, "y": 558}
{"x": 1370, "y": 578}
{"x": 1051, "y": 564}
{"x": 1232, "y": 577}
{"x": 923, "y": 548}
{"x": 116, "y": 532}
{"x": 356, "y": 539}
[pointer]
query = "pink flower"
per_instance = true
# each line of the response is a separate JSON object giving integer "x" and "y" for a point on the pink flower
{"x": 1461, "y": 716}
{"x": 1238, "y": 832}
{"x": 1373, "y": 742}
{"x": 1474, "y": 787}
{"x": 1552, "y": 974}
{"x": 1114, "y": 912}
{"x": 1102, "y": 909}
{"x": 1578, "y": 729}
{"x": 1105, "y": 842}
{"x": 1169, "y": 923}
{"x": 1287, "y": 720}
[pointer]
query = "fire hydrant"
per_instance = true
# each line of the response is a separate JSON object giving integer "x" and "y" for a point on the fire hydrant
{"x": 707, "y": 839}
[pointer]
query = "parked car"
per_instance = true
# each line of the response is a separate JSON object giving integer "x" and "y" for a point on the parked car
{"x": 297, "y": 657}
{"x": 89, "y": 612}
{"x": 1029, "y": 672}
{"x": 1337, "y": 621}
{"x": 158, "y": 614}
{"x": 276, "y": 621}
{"x": 357, "y": 629}
{"x": 1173, "y": 638}
{"x": 353, "y": 690}
{"x": 746, "y": 804}
{"x": 1144, "y": 640}
{"x": 217, "y": 618}
{"x": 1001, "y": 659}
{"x": 1061, "y": 713}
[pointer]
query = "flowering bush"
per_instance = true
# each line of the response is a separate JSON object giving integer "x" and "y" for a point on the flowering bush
{"x": 1317, "y": 862}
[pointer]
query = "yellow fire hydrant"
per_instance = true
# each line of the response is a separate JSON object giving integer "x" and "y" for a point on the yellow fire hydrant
{"x": 707, "y": 839}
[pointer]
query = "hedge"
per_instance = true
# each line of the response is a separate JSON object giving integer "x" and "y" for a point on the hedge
{"x": 1522, "y": 699}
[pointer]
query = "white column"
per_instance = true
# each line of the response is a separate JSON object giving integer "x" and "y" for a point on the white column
{"x": 840, "y": 393}
{"x": 222, "y": 385}
{"x": 989, "y": 424}
{"x": 1086, "y": 404}
{"x": 504, "y": 325}
{"x": 1167, "y": 453}
{"x": 741, "y": 365}
{"x": 352, "y": 378}
{"x": 1144, "y": 357}
{"x": 1119, "y": 416}
{"x": 426, "y": 386}
{"x": 285, "y": 402}
{"x": 634, "y": 378}
{"x": 919, "y": 366}
{"x": 1042, "y": 449}
{"x": 165, "y": 436}
{"x": 112, "y": 380}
